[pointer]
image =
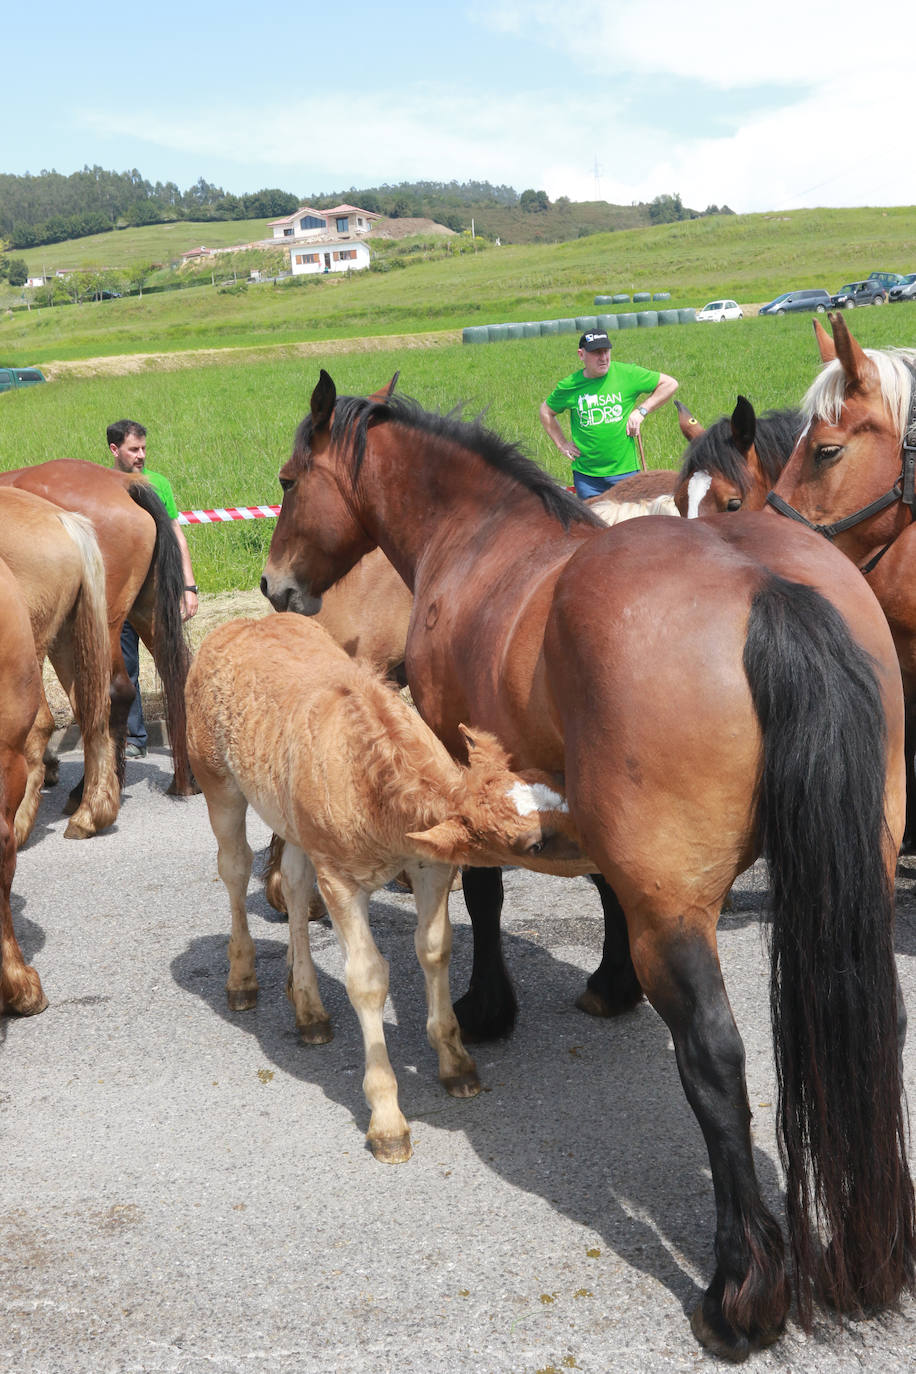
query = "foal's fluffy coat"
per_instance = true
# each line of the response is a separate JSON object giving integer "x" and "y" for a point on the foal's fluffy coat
{"x": 338, "y": 765}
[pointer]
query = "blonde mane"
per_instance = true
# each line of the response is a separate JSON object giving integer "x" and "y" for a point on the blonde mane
{"x": 826, "y": 396}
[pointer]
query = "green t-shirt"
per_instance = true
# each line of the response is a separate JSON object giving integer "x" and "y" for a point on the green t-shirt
{"x": 163, "y": 489}
{"x": 599, "y": 408}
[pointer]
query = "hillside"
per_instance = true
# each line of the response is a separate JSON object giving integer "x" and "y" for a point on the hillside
{"x": 749, "y": 257}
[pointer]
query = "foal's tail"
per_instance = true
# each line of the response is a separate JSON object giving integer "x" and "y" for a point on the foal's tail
{"x": 170, "y": 648}
{"x": 833, "y": 991}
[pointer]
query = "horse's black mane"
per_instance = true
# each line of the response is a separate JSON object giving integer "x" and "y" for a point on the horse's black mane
{"x": 714, "y": 450}
{"x": 354, "y": 414}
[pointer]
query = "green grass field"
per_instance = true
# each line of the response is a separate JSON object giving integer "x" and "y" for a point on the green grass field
{"x": 220, "y": 432}
{"x": 749, "y": 257}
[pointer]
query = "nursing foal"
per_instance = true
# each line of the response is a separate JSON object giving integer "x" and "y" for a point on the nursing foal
{"x": 339, "y": 766}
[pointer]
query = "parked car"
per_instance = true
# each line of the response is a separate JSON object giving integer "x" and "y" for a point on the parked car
{"x": 905, "y": 290}
{"x": 869, "y": 292}
{"x": 11, "y": 377}
{"x": 810, "y": 298}
{"x": 887, "y": 279}
{"x": 721, "y": 310}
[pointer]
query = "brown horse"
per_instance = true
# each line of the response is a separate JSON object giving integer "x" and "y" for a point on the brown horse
{"x": 281, "y": 718}
{"x": 732, "y": 465}
{"x": 20, "y": 695}
{"x": 55, "y": 558}
{"x": 144, "y": 580}
{"x": 851, "y": 478}
{"x": 770, "y": 721}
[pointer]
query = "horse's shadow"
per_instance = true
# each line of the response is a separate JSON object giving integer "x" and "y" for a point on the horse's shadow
{"x": 588, "y": 1115}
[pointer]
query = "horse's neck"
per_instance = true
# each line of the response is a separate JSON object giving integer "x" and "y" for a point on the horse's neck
{"x": 425, "y": 498}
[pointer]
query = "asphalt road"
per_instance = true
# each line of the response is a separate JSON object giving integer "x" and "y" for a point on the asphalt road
{"x": 183, "y": 1189}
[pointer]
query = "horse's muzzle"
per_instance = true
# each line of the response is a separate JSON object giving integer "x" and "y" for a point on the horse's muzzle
{"x": 285, "y": 595}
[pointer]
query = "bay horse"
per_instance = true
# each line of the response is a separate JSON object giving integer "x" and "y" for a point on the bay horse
{"x": 281, "y": 718}
{"x": 20, "y": 695}
{"x": 55, "y": 559}
{"x": 144, "y": 580}
{"x": 850, "y": 478}
{"x": 770, "y": 722}
{"x": 732, "y": 465}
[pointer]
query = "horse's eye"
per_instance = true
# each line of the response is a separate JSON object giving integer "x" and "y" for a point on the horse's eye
{"x": 536, "y": 848}
{"x": 826, "y": 454}
{"x": 286, "y": 483}
{"x": 734, "y": 503}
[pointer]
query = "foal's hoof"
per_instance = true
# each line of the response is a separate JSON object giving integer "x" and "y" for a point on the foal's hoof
{"x": 27, "y": 999}
{"x": 391, "y": 1149}
{"x": 316, "y": 1033}
{"x": 241, "y": 999}
{"x": 462, "y": 1084}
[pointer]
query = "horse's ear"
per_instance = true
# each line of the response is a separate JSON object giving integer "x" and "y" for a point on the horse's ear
{"x": 323, "y": 398}
{"x": 483, "y": 748}
{"x": 385, "y": 393}
{"x": 824, "y": 342}
{"x": 690, "y": 428}
{"x": 744, "y": 424}
{"x": 445, "y": 843}
{"x": 860, "y": 372}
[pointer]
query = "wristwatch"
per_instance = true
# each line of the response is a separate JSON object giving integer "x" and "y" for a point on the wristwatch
{"x": 192, "y": 588}
{"x": 642, "y": 410}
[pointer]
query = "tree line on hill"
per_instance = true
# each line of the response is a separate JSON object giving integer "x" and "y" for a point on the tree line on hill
{"x": 51, "y": 208}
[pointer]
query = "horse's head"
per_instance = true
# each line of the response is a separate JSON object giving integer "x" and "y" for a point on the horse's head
{"x": 318, "y": 535}
{"x": 501, "y": 816}
{"x": 720, "y": 470}
{"x": 848, "y": 456}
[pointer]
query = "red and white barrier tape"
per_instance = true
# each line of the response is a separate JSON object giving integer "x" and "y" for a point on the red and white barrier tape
{"x": 213, "y": 517}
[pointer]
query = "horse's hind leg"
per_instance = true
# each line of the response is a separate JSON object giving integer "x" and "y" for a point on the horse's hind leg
{"x": 35, "y": 746}
{"x": 226, "y": 807}
{"x": 366, "y": 975}
{"x": 20, "y": 985}
{"x": 746, "y": 1304}
{"x": 433, "y": 943}
{"x": 613, "y": 988}
{"x": 297, "y": 881}
{"x": 488, "y": 1009}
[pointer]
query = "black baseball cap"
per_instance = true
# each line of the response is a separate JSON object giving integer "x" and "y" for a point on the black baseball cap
{"x": 594, "y": 341}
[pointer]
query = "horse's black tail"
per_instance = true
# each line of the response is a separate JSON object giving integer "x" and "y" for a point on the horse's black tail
{"x": 171, "y": 653}
{"x": 834, "y": 990}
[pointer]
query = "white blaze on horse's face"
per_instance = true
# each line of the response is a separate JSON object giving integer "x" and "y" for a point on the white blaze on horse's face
{"x": 697, "y": 488}
{"x": 529, "y": 799}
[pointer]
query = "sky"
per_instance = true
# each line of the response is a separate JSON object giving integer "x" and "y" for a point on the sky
{"x": 758, "y": 107}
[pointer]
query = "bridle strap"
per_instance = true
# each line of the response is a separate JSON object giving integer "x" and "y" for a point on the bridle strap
{"x": 831, "y": 531}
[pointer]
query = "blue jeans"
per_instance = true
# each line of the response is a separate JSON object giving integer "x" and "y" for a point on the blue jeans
{"x": 130, "y": 648}
{"x": 587, "y": 484}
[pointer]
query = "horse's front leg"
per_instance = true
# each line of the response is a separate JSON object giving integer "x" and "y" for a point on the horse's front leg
{"x": 488, "y": 1009}
{"x": 745, "y": 1306}
{"x": 613, "y": 988}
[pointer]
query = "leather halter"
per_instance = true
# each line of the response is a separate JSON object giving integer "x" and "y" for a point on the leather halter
{"x": 904, "y": 489}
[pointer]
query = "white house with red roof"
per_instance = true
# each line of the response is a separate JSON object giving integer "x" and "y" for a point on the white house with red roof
{"x": 325, "y": 240}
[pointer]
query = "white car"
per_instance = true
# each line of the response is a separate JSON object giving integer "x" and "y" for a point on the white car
{"x": 721, "y": 310}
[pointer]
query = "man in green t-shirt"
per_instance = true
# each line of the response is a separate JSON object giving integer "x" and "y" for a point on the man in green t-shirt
{"x": 604, "y": 418}
{"x": 127, "y": 442}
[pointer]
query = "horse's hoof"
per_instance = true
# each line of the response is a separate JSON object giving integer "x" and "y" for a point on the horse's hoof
{"x": 52, "y": 771}
{"x": 29, "y": 1000}
{"x": 594, "y": 1004}
{"x": 491, "y": 1021}
{"x": 190, "y": 789}
{"x": 241, "y": 999}
{"x": 316, "y": 1033}
{"x": 76, "y": 831}
{"x": 462, "y": 1084}
{"x": 720, "y": 1339}
{"x": 391, "y": 1149}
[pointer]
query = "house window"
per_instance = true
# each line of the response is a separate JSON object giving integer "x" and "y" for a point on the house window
{"x": 303, "y": 259}
{"x": 312, "y": 222}
{"x": 343, "y": 224}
